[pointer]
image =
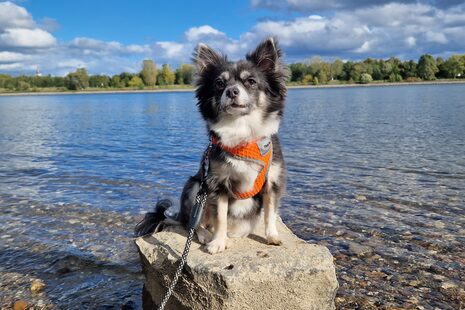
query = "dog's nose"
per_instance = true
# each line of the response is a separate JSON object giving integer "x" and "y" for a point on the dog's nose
{"x": 232, "y": 92}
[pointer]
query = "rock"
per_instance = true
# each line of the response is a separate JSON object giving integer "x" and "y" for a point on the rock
{"x": 360, "y": 198}
{"x": 250, "y": 274}
{"x": 359, "y": 250}
{"x": 448, "y": 284}
{"x": 20, "y": 305}
{"x": 37, "y": 286}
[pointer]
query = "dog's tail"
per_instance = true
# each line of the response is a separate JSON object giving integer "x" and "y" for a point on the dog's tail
{"x": 151, "y": 220}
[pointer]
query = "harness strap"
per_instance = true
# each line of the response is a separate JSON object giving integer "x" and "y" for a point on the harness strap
{"x": 259, "y": 151}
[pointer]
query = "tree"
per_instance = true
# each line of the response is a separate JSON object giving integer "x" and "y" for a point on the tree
{"x": 427, "y": 67}
{"x": 166, "y": 76}
{"x": 149, "y": 72}
{"x": 125, "y": 77}
{"x": 320, "y": 69}
{"x": 298, "y": 71}
{"x": 395, "y": 77}
{"x": 366, "y": 78}
{"x": 336, "y": 69}
{"x": 136, "y": 81}
{"x": 115, "y": 81}
{"x": 22, "y": 86}
{"x": 99, "y": 81}
{"x": 77, "y": 80}
{"x": 408, "y": 69}
{"x": 452, "y": 67}
{"x": 187, "y": 73}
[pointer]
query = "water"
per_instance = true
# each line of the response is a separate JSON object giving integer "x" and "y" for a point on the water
{"x": 377, "y": 174}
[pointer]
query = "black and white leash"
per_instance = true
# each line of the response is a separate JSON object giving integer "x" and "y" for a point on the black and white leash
{"x": 194, "y": 220}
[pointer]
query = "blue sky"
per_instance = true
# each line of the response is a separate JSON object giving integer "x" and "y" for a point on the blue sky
{"x": 114, "y": 36}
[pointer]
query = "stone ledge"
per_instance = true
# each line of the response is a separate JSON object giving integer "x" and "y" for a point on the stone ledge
{"x": 249, "y": 275}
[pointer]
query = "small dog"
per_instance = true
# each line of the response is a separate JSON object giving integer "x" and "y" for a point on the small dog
{"x": 242, "y": 104}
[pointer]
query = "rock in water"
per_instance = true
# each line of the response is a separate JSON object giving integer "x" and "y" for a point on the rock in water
{"x": 20, "y": 305}
{"x": 37, "y": 286}
{"x": 249, "y": 275}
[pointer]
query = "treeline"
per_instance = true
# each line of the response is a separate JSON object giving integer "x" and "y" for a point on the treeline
{"x": 315, "y": 71}
{"x": 149, "y": 76}
{"x": 428, "y": 68}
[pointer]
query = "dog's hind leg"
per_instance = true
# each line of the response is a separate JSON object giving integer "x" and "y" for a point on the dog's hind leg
{"x": 270, "y": 206}
{"x": 220, "y": 225}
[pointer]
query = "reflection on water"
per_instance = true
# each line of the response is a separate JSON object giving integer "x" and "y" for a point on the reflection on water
{"x": 376, "y": 174}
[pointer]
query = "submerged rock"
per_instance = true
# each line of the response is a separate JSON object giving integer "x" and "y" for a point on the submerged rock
{"x": 37, "y": 286}
{"x": 249, "y": 275}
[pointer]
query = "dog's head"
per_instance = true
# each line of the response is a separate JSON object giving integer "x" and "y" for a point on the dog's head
{"x": 231, "y": 90}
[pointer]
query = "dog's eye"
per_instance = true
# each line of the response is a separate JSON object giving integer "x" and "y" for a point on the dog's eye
{"x": 251, "y": 81}
{"x": 220, "y": 84}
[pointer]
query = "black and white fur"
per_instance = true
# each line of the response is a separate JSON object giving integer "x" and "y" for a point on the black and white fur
{"x": 240, "y": 102}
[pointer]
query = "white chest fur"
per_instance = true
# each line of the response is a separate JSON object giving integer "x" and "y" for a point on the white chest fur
{"x": 246, "y": 171}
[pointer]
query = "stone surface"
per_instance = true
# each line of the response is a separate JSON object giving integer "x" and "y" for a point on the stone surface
{"x": 249, "y": 275}
{"x": 37, "y": 286}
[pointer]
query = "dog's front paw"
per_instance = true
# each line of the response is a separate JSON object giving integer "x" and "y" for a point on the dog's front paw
{"x": 217, "y": 246}
{"x": 273, "y": 240}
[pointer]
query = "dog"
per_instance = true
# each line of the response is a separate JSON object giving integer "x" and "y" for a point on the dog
{"x": 242, "y": 104}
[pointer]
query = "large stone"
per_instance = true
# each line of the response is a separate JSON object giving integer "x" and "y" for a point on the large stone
{"x": 250, "y": 274}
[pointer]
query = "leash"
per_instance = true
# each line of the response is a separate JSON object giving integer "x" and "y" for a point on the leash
{"x": 194, "y": 221}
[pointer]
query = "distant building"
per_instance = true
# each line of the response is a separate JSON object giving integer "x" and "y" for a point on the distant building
{"x": 38, "y": 73}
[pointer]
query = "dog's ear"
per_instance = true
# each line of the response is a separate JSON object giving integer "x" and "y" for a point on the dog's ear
{"x": 266, "y": 55}
{"x": 204, "y": 56}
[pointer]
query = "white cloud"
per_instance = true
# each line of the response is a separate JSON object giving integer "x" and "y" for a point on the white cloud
{"x": 97, "y": 46}
{"x": 30, "y": 38}
{"x": 194, "y": 34}
{"x": 13, "y": 16}
{"x": 12, "y": 66}
{"x": 13, "y": 57}
{"x": 410, "y": 41}
{"x": 308, "y": 6}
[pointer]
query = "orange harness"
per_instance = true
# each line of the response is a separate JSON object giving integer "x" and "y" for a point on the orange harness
{"x": 259, "y": 151}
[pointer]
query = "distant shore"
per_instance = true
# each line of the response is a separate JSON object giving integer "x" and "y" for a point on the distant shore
{"x": 190, "y": 89}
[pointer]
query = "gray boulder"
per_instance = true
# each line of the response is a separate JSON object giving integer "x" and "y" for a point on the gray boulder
{"x": 249, "y": 275}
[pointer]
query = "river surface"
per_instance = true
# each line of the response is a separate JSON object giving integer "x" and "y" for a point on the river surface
{"x": 377, "y": 174}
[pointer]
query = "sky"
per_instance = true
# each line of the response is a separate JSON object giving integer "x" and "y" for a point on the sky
{"x": 109, "y": 37}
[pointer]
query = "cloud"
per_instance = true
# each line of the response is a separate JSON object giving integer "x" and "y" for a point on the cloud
{"x": 406, "y": 30}
{"x": 312, "y": 6}
{"x": 202, "y": 32}
{"x": 13, "y": 57}
{"x": 13, "y": 16}
{"x": 22, "y": 37}
{"x": 93, "y": 46}
{"x": 351, "y": 30}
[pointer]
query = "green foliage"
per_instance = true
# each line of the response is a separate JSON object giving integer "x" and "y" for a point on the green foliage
{"x": 298, "y": 71}
{"x": 125, "y": 77}
{"x": 23, "y": 86}
{"x": 136, "y": 81}
{"x": 408, "y": 69}
{"x": 452, "y": 67}
{"x": 166, "y": 76}
{"x": 427, "y": 67}
{"x": 184, "y": 75}
{"x": 77, "y": 80}
{"x": 336, "y": 69}
{"x": 116, "y": 82}
{"x": 149, "y": 72}
{"x": 99, "y": 81}
{"x": 308, "y": 79}
{"x": 395, "y": 77}
{"x": 366, "y": 78}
